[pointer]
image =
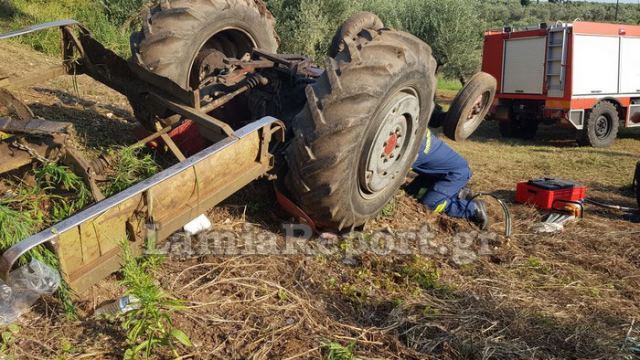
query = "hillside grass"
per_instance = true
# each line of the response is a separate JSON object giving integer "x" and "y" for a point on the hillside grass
{"x": 16, "y": 14}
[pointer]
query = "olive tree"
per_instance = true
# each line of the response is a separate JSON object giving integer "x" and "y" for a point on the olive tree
{"x": 453, "y": 30}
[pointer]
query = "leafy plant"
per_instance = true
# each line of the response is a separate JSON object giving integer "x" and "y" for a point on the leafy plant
{"x": 14, "y": 226}
{"x": 68, "y": 192}
{"x": 336, "y": 351}
{"x": 8, "y": 337}
{"x": 149, "y": 326}
{"x": 389, "y": 210}
{"x": 131, "y": 166}
{"x": 59, "y": 193}
{"x": 423, "y": 272}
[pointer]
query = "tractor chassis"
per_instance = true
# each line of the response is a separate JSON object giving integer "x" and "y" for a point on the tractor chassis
{"x": 88, "y": 243}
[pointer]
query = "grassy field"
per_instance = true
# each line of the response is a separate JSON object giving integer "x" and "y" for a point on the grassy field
{"x": 571, "y": 295}
{"x": 15, "y": 14}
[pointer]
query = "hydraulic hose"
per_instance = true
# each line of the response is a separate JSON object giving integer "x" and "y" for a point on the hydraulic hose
{"x": 611, "y": 206}
{"x": 508, "y": 226}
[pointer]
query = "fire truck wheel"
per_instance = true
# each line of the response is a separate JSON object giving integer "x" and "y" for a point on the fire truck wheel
{"x": 601, "y": 126}
{"x": 177, "y": 34}
{"x": 470, "y": 107}
{"x": 361, "y": 128}
{"x": 351, "y": 28}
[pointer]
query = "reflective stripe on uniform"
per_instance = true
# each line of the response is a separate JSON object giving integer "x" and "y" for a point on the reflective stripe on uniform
{"x": 427, "y": 148}
{"x": 441, "y": 208}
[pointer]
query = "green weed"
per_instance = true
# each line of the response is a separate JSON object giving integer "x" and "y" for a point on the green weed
{"x": 539, "y": 266}
{"x": 423, "y": 272}
{"x": 429, "y": 311}
{"x": 336, "y": 351}
{"x": 58, "y": 194}
{"x": 8, "y": 337}
{"x": 353, "y": 292}
{"x": 389, "y": 209}
{"x": 14, "y": 226}
{"x": 68, "y": 192}
{"x": 283, "y": 295}
{"x": 150, "y": 326}
{"x": 131, "y": 167}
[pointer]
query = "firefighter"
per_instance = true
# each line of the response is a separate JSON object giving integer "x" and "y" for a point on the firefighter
{"x": 441, "y": 182}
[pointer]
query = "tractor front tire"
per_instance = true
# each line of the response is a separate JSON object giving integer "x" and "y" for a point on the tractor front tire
{"x": 358, "y": 135}
{"x": 470, "y": 107}
{"x": 601, "y": 126}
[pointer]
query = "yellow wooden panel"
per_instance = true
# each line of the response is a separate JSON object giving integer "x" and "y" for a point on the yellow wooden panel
{"x": 85, "y": 249}
{"x": 69, "y": 250}
{"x": 111, "y": 227}
{"x": 89, "y": 242}
{"x": 223, "y": 166}
{"x": 174, "y": 195}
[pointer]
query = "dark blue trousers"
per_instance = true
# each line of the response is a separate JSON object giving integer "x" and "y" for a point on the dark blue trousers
{"x": 442, "y": 173}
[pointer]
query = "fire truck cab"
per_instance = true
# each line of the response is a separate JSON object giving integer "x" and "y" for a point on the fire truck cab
{"x": 583, "y": 75}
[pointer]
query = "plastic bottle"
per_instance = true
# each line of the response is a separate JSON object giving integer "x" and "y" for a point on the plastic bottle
{"x": 8, "y": 313}
{"x": 121, "y": 306}
{"x": 24, "y": 287}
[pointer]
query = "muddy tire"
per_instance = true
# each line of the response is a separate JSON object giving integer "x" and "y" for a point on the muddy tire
{"x": 359, "y": 133}
{"x": 601, "y": 126}
{"x": 351, "y": 28}
{"x": 176, "y": 33}
{"x": 470, "y": 107}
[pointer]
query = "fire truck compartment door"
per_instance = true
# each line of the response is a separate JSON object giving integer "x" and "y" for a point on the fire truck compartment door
{"x": 630, "y": 65}
{"x": 595, "y": 64}
{"x": 524, "y": 60}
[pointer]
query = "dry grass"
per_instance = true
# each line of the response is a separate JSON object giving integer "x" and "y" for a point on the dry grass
{"x": 573, "y": 295}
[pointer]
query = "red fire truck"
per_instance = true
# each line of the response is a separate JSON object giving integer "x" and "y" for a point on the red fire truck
{"x": 583, "y": 75}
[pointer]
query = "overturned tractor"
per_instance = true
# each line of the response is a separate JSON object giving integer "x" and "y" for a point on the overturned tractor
{"x": 338, "y": 141}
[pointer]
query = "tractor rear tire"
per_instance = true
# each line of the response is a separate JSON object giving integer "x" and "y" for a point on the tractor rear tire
{"x": 175, "y": 32}
{"x": 358, "y": 135}
{"x": 601, "y": 126}
{"x": 470, "y": 106}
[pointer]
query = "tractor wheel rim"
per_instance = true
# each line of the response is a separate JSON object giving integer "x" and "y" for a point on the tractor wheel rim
{"x": 394, "y": 138}
{"x": 474, "y": 117}
{"x": 603, "y": 127}
{"x": 196, "y": 69}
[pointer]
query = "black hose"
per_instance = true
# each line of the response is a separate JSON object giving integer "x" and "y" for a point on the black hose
{"x": 508, "y": 227}
{"x": 611, "y": 206}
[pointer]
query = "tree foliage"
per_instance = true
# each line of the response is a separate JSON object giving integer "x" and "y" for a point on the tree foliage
{"x": 453, "y": 28}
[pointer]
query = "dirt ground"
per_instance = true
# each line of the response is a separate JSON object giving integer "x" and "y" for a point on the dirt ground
{"x": 570, "y": 295}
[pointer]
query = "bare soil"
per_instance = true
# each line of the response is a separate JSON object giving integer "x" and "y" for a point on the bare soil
{"x": 570, "y": 295}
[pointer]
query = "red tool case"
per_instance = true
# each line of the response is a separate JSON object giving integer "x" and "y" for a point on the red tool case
{"x": 545, "y": 193}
